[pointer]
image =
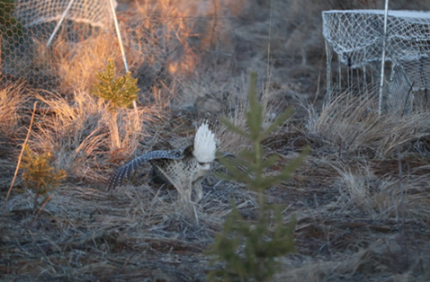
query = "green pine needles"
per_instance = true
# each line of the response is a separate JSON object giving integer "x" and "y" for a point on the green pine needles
{"x": 248, "y": 250}
{"x": 39, "y": 174}
{"x": 119, "y": 91}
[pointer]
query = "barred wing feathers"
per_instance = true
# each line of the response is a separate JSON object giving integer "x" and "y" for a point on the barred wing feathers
{"x": 125, "y": 170}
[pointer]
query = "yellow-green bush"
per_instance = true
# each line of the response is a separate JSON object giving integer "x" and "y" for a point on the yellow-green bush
{"x": 119, "y": 91}
{"x": 39, "y": 174}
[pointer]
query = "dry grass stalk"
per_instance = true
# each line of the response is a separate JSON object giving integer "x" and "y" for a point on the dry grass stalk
{"x": 20, "y": 156}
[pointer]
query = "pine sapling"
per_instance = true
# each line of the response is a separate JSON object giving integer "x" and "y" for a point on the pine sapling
{"x": 248, "y": 250}
{"x": 120, "y": 91}
{"x": 39, "y": 175}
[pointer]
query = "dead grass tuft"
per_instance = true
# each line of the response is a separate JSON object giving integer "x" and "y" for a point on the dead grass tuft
{"x": 83, "y": 135}
{"x": 352, "y": 125}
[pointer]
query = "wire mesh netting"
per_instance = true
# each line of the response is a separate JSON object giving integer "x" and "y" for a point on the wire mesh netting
{"x": 158, "y": 40}
{"x": 34, "y": 12}
{"x": 26, "y": 25}
{"x": 357, "y": 36}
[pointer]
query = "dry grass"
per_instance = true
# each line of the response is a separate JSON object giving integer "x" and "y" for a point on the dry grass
{"x": 85, "y": 136}
{"x": 11, "y": 99}
{"x": 77, "y": 63}
{"x": 361, "y": 215}
{"x": 361, "y": 198}
{"x": 352, "y": 125}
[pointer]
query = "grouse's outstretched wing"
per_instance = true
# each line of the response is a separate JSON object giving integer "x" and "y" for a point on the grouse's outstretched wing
{"x": 125, "y": 170}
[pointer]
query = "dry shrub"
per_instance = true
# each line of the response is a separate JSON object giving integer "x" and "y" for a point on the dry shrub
{"x": 369, "y": 150}
{"x": 72, "y": 134}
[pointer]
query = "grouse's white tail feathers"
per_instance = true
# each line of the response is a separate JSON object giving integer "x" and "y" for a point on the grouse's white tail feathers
{"x": 204, "y": 144}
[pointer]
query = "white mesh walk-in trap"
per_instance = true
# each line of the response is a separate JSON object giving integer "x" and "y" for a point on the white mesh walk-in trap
{"x": 354, "y": 45}
{"x": 28, "y": 25}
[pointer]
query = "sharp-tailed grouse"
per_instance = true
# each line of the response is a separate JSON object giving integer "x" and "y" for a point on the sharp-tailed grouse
{"x": 183, "y": 168}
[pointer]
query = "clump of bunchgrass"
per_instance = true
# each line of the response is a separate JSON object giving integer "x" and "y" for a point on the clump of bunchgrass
{"x": 40, "y": 175}
{"x": 249, "y": 250}
{"x": 352, "y": 125}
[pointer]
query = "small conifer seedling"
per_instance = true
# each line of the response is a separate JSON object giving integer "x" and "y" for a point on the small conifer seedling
{"x": 248, "y": 250}
{"x": 119, "y": 91}
{"x": 39, "y": 175}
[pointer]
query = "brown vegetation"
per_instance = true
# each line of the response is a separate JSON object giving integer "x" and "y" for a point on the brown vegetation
{"x": 361, "y": 198}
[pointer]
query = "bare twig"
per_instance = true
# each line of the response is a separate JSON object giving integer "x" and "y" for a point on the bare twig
{"x": 20, "y": 156}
